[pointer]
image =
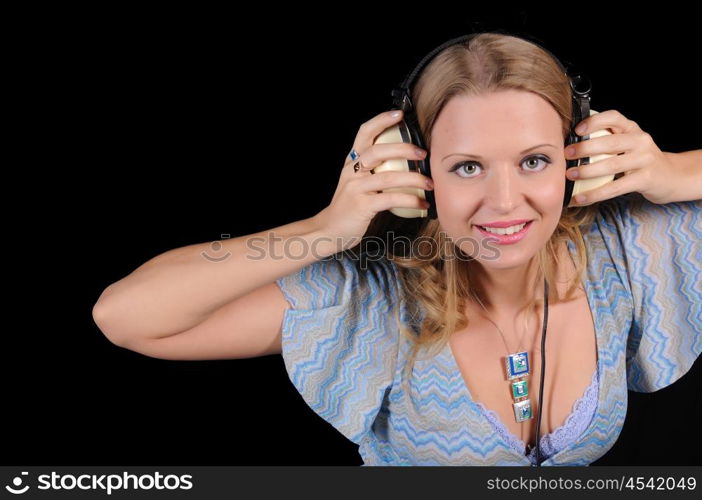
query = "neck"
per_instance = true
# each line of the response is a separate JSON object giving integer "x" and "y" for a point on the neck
{"x": 505, "y": 292}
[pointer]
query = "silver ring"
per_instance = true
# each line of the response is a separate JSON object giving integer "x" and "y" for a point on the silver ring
{"x": 353, "y": 154}
{"x": 360, "y": 166}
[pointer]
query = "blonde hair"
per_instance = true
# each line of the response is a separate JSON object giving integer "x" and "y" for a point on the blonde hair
{"x": 442, "y": 281}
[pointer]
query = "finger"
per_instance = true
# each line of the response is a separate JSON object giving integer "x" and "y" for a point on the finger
{"x": 608, "y": 144}
{"x": 386, "y": 180}
{"x": 379, "y": 153}
{"x": 613, "y": 165}
{"x": 612, "y": 119}
{"x": 618, "y": 187}
{"x": 371, "y": 129}
{"x": 385, "y": 201}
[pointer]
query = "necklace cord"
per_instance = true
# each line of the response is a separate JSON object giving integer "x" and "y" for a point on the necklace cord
{"x": 543, "y": 363}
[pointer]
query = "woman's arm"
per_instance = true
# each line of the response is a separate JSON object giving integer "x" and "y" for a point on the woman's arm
{"x": 179, "y": 289}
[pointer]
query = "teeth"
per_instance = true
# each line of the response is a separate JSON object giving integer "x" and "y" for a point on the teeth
{"x": 504, "y": 230}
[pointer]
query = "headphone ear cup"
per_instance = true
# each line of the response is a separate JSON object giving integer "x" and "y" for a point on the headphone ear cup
{"x": 399, "y": 133}
{"x": 422, "y": 166}
{"x": 583, "y": 185}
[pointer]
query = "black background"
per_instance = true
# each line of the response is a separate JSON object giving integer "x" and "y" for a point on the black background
{"x": 167, "y": 128}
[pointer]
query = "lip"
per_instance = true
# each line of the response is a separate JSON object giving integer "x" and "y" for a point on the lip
{"x": 506, "y": 239}
{"x": 506, "y": 223}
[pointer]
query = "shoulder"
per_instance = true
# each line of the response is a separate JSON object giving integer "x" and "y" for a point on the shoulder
{"x": 340, "y": 278}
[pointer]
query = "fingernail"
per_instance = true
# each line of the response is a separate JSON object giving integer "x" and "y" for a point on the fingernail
{"x": 420, "y": 153}
{"x": 573, "y": 173}
{"x": 570, "y": 151}
{"x": 430, "y": 184}
{"x": 581, "y": 128}
{"x": 396, "y": 114}
{"x": 580, "y": 198}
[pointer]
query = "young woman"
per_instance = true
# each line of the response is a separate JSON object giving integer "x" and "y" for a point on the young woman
{"x": 407, "y": 356}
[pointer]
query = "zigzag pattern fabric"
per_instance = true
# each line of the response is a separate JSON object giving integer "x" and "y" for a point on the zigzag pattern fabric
{"x": 344, "y": 354}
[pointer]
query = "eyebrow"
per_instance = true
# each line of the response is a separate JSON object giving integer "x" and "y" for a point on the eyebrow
{"x": 480, "y": 158}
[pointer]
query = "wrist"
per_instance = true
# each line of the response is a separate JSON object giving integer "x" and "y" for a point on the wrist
{"x": 688, "y": 175}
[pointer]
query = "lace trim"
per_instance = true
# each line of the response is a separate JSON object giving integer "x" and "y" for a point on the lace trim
{"x": 575, "y": 424}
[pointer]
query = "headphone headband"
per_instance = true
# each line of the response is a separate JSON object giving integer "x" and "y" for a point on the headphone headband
{"x": 402, "y": 96}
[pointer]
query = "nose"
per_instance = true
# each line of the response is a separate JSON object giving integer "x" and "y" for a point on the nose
{"x": 503, "y": 188}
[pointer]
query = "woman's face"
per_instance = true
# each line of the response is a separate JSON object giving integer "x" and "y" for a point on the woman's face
{"x": 482, "y": 174}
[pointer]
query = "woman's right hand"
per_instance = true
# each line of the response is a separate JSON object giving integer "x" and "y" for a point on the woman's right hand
{"x": 358, "y": 197}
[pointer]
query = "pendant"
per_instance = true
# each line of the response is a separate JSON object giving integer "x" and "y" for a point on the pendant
{"x": 522, "y": 410}
{"x": 517, "y": 367}
{"x": 519, "y": 389}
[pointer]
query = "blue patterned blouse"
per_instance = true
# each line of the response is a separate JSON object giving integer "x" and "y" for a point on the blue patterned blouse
{"x": 344, "y": 354}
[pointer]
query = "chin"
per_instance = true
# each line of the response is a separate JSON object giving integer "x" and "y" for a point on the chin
{"x": 505, "y": 263}
{"x": 495, "y": 256}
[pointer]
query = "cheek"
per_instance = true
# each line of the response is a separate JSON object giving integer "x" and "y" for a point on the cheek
{"x": 551, "y": 198}
{"x": 452, "y": 198}
{"x": 553, "y": 190}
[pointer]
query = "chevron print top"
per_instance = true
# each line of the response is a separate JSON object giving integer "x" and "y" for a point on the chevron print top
{"x": 344, "y": 354}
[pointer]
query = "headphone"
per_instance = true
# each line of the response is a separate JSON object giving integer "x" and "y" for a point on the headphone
{"x": 408, "y": 130}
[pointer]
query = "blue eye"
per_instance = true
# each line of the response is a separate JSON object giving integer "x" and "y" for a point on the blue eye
{"x": 474, "y": 164}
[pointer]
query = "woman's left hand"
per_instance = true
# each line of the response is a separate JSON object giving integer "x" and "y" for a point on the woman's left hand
{"x": 644, "y": 167}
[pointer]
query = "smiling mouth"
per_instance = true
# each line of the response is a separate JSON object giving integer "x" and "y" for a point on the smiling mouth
{"x": 506, "y": 231}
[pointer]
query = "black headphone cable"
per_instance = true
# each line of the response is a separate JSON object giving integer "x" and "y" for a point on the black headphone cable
{"x": 543, "y": 372}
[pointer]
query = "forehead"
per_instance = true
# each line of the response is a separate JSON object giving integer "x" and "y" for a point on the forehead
{"x": 512, "y": 119}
